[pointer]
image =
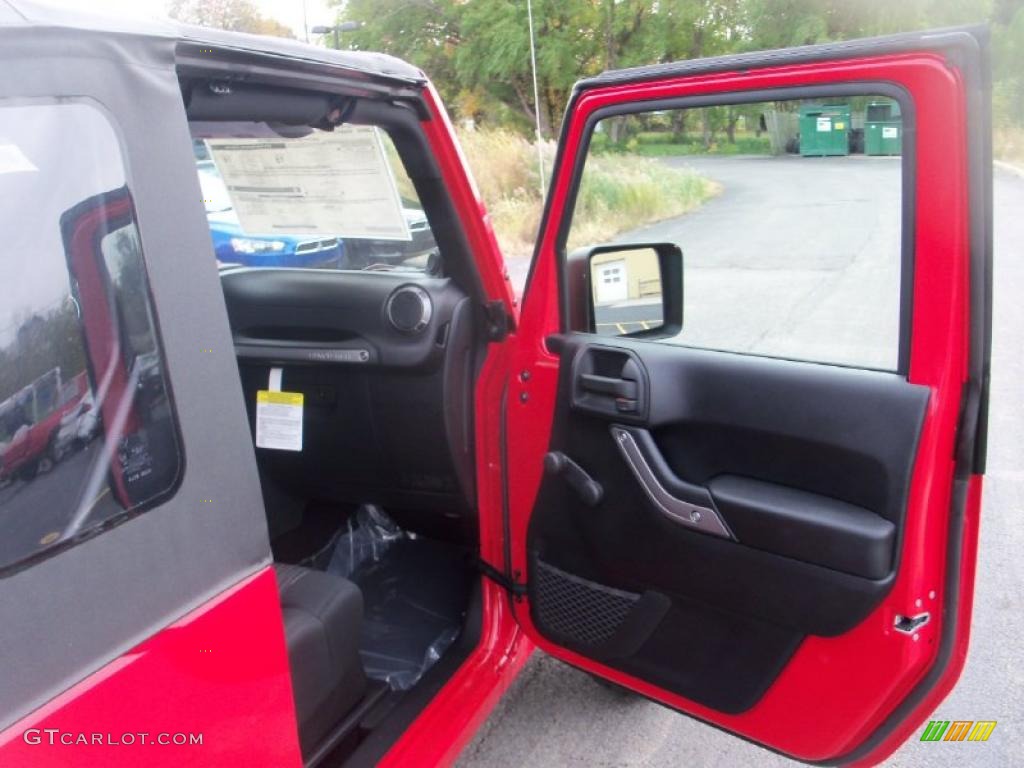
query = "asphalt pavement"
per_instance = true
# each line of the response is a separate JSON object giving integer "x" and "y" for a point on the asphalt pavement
{"x": 555, "y": 715}
{"x": 34, "y": 512}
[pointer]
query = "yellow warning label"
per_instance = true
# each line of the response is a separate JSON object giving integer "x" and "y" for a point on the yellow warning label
{"x": 279, "y": 398}
{"x": 840, "y": 126}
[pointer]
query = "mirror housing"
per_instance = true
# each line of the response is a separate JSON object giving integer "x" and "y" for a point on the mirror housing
{"x": 607, "y": 284}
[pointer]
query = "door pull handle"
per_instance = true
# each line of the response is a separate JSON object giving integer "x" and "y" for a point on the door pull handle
{"x": 557, "y": 464}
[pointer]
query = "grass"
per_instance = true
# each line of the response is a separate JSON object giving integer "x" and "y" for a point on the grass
{"x": 1008, "y": 144}
{"x": 623, "y": 192}
{"x": 620, "y": 191}
{"x": 665, "y": 144}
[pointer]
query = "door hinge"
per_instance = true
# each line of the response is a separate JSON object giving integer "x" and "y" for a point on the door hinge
{"x": 508, "y": 583}
{"x": 499, "y": 322}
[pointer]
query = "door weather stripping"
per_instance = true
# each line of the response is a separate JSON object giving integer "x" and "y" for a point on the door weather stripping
{"x": 703, "y": 519}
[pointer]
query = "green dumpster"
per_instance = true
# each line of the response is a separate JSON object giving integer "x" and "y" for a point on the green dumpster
{"x": 824, "y": 130}
{"x": 883, "y": 129}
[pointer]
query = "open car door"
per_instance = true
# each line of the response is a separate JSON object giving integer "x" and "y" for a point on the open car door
{"x": 101, "y": 244}
{"x": 771, "y": 528}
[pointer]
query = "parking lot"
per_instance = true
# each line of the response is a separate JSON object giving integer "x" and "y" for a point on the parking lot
{"x": 810, "y": 262}
{"x": 34, "y": 510}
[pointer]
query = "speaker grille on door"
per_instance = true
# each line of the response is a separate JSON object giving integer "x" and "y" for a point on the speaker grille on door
{"x": 578, "y": 610}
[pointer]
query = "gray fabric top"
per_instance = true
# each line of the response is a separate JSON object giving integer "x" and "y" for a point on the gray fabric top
{"x": 35, "y": 14}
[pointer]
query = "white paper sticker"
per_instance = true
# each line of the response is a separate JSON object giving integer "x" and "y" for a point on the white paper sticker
{"x": 824, "y": 124}
{"x": 890, "y": 132}
{"x": 274, "y": 380}
{"x": 279, "y": 420}
{"x": 13, "y": 160}
{"x": 337, "y": 184}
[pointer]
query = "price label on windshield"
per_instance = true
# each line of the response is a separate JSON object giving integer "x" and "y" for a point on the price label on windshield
{"x": 335, "y": 183}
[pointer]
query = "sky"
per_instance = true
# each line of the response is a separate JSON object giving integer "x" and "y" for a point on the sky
{"x": 288, "y": 12}
{"x": 45, "y": 173}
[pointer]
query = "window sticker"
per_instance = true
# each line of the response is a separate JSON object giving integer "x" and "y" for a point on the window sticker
{"x": 338, "y": 184}
{"x": 13, "y": 160}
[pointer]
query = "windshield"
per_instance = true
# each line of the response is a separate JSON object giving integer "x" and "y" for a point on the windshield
{"x": 326, "y": 200}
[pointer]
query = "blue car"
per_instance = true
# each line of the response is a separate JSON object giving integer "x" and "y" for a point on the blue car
{"x": 233, "y": 246}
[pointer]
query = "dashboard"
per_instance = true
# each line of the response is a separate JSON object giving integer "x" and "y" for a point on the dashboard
{"x": 388, "y": 320}
{"x": 386, "y": 362}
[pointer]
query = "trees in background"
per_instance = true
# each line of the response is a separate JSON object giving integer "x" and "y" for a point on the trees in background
{"x": 477, "y": 51}
{"x": 234, "y": 15}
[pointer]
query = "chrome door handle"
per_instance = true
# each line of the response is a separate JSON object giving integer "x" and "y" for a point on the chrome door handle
{"x": 701, "y": 518}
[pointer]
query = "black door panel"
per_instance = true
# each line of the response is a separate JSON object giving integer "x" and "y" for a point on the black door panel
{"x": 807, "y": 466}
{"x": 806, "y": 526}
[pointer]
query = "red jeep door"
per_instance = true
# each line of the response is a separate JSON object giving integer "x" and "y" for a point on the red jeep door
{"x": 758, "y": 503}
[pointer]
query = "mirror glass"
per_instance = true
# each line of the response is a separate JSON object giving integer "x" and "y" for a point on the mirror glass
{"x": 626, "y": 289}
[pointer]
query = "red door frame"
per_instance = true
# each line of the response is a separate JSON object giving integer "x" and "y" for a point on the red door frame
{"x": 448, "y": 723}
{"x": 872, "y": 666}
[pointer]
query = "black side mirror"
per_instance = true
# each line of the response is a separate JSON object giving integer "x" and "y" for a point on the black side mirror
{"x": 626, "y": 289}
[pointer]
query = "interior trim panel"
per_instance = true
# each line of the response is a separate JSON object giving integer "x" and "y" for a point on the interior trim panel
{"x": 806, "y": 526}
{"x": 806, "y": 466}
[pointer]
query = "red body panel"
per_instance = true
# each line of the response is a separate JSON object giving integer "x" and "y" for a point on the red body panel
{"x": 470, "y": 206}
{"x": 448, "y": 723}
{"x": 221, "y": 670}
{"x": 871, "y": 667}
{"x": 31, "y": 444}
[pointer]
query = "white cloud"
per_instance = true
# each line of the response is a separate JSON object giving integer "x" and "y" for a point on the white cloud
{"x": 292, "y": 13}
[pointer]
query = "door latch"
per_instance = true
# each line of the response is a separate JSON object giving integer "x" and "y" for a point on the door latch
{"x": 909, "y": 624}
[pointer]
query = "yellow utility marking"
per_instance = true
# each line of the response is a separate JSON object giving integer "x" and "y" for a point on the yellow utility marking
{"x": 100, "y": 496}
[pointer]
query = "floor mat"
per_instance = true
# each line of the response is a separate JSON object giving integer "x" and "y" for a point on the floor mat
{"x": 415, "y": 593}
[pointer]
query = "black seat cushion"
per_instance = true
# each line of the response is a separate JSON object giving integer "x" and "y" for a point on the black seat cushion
{"x": 322, "y": 618}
